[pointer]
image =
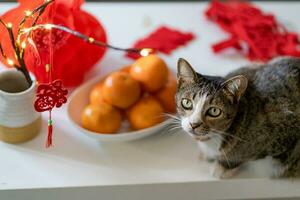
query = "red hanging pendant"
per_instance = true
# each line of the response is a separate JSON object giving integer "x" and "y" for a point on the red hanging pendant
{"x": 49, "y": 96}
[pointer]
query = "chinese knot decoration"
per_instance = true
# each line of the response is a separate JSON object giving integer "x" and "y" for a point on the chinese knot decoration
{"x": 49, "y": 96}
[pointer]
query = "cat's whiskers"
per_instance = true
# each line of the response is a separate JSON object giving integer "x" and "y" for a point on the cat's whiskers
{"x": 173, "y": 127}
{"x": 224, "y": 153}
{"x": 233, "y": 156}
{"x": 167, "y": 115}
{"x": 228, "y": 134}
{"x": 222, "y": 139}
{"x": 175, "y": 124}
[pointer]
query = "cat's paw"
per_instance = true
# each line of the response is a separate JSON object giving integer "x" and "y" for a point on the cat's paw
{"x": 219, "y": 171}
{"x": 206, "y": 158}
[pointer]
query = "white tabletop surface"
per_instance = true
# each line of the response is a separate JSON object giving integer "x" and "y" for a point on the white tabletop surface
{"x": 169, "y": 162}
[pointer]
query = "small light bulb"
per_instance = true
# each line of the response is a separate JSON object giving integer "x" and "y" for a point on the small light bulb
{"x": 47, "y": 66}
{"x": 23, "y": 45}
{"x": 145, "y": 52}
{"x": 91, "y": 40}
{"x": 30, "y": 41}
{"x": 9, "y": 25}
{"x": 48, "y": 26}
{"x": 10, "y": 62}
{"x": 25, "y": 30}
{"x": 28, "y": 13}
{"x": 18, "y": 40}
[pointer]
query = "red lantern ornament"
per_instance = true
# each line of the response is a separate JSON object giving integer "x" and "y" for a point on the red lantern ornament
{"x": 73, "y": 56}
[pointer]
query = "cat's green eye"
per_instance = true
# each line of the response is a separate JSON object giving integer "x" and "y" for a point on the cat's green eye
{"x": 214, "y": 112}
{"x": 187, "y": 104}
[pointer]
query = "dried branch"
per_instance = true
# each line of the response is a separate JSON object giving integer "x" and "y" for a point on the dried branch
{"x": 2, "y": 22}
{"x": 2, "y": 52}
{"x": 28, "y": 14}
{"x": 16, "y": 45}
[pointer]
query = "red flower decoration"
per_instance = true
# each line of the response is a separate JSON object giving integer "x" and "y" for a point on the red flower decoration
{"x": 50, "y": 96}
{"x": 72, "y": 57}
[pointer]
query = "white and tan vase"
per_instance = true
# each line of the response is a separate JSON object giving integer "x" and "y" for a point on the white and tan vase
{"x": 19, "y": 122}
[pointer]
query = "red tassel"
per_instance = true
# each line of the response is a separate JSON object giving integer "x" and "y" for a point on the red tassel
{"x": 50, "y": 131}
{"x": 49, "y": 138}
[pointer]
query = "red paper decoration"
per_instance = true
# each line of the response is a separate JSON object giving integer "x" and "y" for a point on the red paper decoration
{"x": 73, "y": 57}
{"x": 50, "y": 95}
{"x": 164, "y": 40}
{"x": 264, "y": 36}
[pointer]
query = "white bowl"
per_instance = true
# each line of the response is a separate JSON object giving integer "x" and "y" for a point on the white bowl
{"x": 78, "y": 101}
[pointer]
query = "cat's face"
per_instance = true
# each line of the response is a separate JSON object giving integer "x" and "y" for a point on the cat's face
{"x": 206, "y": 105}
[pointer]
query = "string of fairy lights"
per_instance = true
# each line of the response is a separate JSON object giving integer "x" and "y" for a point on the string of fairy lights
{"x": 19, "y": 42}
{"x": 142, "y": 52}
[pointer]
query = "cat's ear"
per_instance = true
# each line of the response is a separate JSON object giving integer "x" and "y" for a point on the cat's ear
{"x": 235, "y": 86}
{"x": 185, "y": 72}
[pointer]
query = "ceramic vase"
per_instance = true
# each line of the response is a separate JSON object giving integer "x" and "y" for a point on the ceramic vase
{"x": 19, "y": 122}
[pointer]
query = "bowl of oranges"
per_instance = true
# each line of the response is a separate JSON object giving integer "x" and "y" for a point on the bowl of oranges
{"x": 127, "y": 104}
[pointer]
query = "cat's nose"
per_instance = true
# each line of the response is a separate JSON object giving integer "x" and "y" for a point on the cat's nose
{"x": 195, "y": 125}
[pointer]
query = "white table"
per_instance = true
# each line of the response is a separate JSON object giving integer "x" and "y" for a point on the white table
{"x": 164, "y": 166}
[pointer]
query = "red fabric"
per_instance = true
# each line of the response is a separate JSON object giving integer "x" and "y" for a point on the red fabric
{"x": 264, "y": 37}
{"x": 72, "y": 57}
{"x": 164, "y": 40}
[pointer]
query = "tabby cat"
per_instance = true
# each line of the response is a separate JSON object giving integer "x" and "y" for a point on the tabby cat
{"x": 252, "y": 113}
